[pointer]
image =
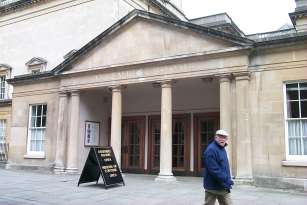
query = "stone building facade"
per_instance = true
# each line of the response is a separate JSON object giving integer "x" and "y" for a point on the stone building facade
{"x": 159, "y": 86}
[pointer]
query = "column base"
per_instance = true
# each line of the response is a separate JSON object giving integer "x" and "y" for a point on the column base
{"x": 71, "y": 170}
{"x": 59, "y": 170}
{"x": 165, "y": 178}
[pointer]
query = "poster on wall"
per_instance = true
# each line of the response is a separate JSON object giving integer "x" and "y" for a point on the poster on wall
{"x": 91, "y": 133}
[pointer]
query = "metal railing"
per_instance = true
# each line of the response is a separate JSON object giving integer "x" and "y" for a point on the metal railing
{"x": 272, "y": 34}
{"x": 4, "y": 150}
{"x": 7, "y": 2}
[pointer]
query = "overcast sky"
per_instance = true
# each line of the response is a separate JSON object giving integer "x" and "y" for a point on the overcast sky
{"x": 251, "y": 16}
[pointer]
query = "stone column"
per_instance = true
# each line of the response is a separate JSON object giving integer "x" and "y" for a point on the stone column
{"x": 116, "y": 123}
{"x": 73, "y": 149}
{"x": 60, "y": 154}
{"x": 225, "y": 111}
{"x": 243, "y": 140}
{"x": 166, "y": 165}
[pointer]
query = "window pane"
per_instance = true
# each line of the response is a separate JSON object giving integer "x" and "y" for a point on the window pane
{"x": 292, "y": 94}
{"x": 39, "y": 110}
{"x": 305, "y": 145}
{"x": 303, "y": 108}
{"x": 293, "y": 109}
{"x": 2, "y": 87}
{"x": 303, "y": 91}
{"x": 304, "y": 130}
{"x": 38, "y": 121}
{"x": 44, "y": 109}
{"x": 32, "y": 141}
{"x": 33, "y": 121}
{"x": 33, "y": 110}
{"x": 2, "y": 131}
{"x": 293, "y": 86}
{"x": 294, "y": 133}
{"x": 44, "y": 122}
{"x": 304, "y": 127}
{"x": 39, "y": 134}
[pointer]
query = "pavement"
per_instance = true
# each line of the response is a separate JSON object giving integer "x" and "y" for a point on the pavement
{"x": 25, "y": 187}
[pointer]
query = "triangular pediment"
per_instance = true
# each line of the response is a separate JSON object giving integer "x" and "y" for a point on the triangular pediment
{"x": 36, "y": 61}
{"x": 145, "y": 38}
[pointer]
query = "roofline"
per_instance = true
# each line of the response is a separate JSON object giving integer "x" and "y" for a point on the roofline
{"x": 177, "y": 9}
{"x": 209, "y": 16}
{"x": 235, "y": 25}
{"x": 268, "y": 32}
{"x": 195, "y": 27}
{"x": 289, "y": 39}
{"x": 30, "y": 77}
{"x": 163, "y": 9}
{"x": 135, "y": 13}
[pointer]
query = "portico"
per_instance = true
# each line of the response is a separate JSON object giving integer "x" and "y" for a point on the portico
{"x": 136, "y": 118}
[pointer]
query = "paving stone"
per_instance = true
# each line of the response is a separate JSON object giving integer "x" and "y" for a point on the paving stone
{"x": 28, "y": 188}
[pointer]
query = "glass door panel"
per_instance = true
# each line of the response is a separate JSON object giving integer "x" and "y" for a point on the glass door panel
{"x": 178, "y": 144}
{"x": 205, "y": 126}
{"x": 133, "y": 143}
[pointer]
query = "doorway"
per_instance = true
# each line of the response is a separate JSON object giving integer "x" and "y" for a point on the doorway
{"x": 180, "y": 147}
{"x": 133, "y": 144}
{"x": 205, "y": 126}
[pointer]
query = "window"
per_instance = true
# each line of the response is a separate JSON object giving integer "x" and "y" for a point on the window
{"x": 5, "y": 73}
{"x": 37, "y": 129}
{"x": 3, "y": 144}
{"x": 2, "y": 131}
{"x": 35, "y": 71}
{"x": 296, "y": 120}
{"x": 2, "y": 87}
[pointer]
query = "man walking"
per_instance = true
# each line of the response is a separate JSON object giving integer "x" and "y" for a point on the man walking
{"x": 217, "y": 179}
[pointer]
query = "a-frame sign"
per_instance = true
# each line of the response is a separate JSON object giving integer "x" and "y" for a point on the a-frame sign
{"x": 101, "y": 161}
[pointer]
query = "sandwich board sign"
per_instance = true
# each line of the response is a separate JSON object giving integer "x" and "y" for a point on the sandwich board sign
{"x": 101, "y": 162}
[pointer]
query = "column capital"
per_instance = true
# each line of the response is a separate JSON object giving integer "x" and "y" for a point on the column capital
{"x": 74, "y": 92}
{"x": 164, "y": 83}
{"x": 117, "y": 88}
{"x": 224, "y": 77}
{"x": 63, "y": 93}
{"x": 243, "y": 75}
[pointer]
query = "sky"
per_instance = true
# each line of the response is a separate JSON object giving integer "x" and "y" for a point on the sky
{"x": 251, "y": 16}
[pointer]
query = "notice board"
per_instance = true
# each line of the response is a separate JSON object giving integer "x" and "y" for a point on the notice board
{"x": 101, "y": 162}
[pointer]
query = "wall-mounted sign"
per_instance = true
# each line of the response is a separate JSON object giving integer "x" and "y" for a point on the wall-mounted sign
{"x": 101, "y": 162}
{"x": 91, "y": 137}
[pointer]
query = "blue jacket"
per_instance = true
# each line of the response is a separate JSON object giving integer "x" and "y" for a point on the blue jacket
{"x": 216, "y": 172}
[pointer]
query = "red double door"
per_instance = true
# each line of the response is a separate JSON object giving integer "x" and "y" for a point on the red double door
{"x": 133, "y": 142}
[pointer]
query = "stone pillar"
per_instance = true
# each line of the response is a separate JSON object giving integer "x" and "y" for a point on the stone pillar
{"x": 116, "y": 123}
{"x": 166, "y": 165}
{"x": 73, "y": 149}
{"x": 243, "y": 140}
{"x": 60, "y": 154}
{"x": 225, "y": 111}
